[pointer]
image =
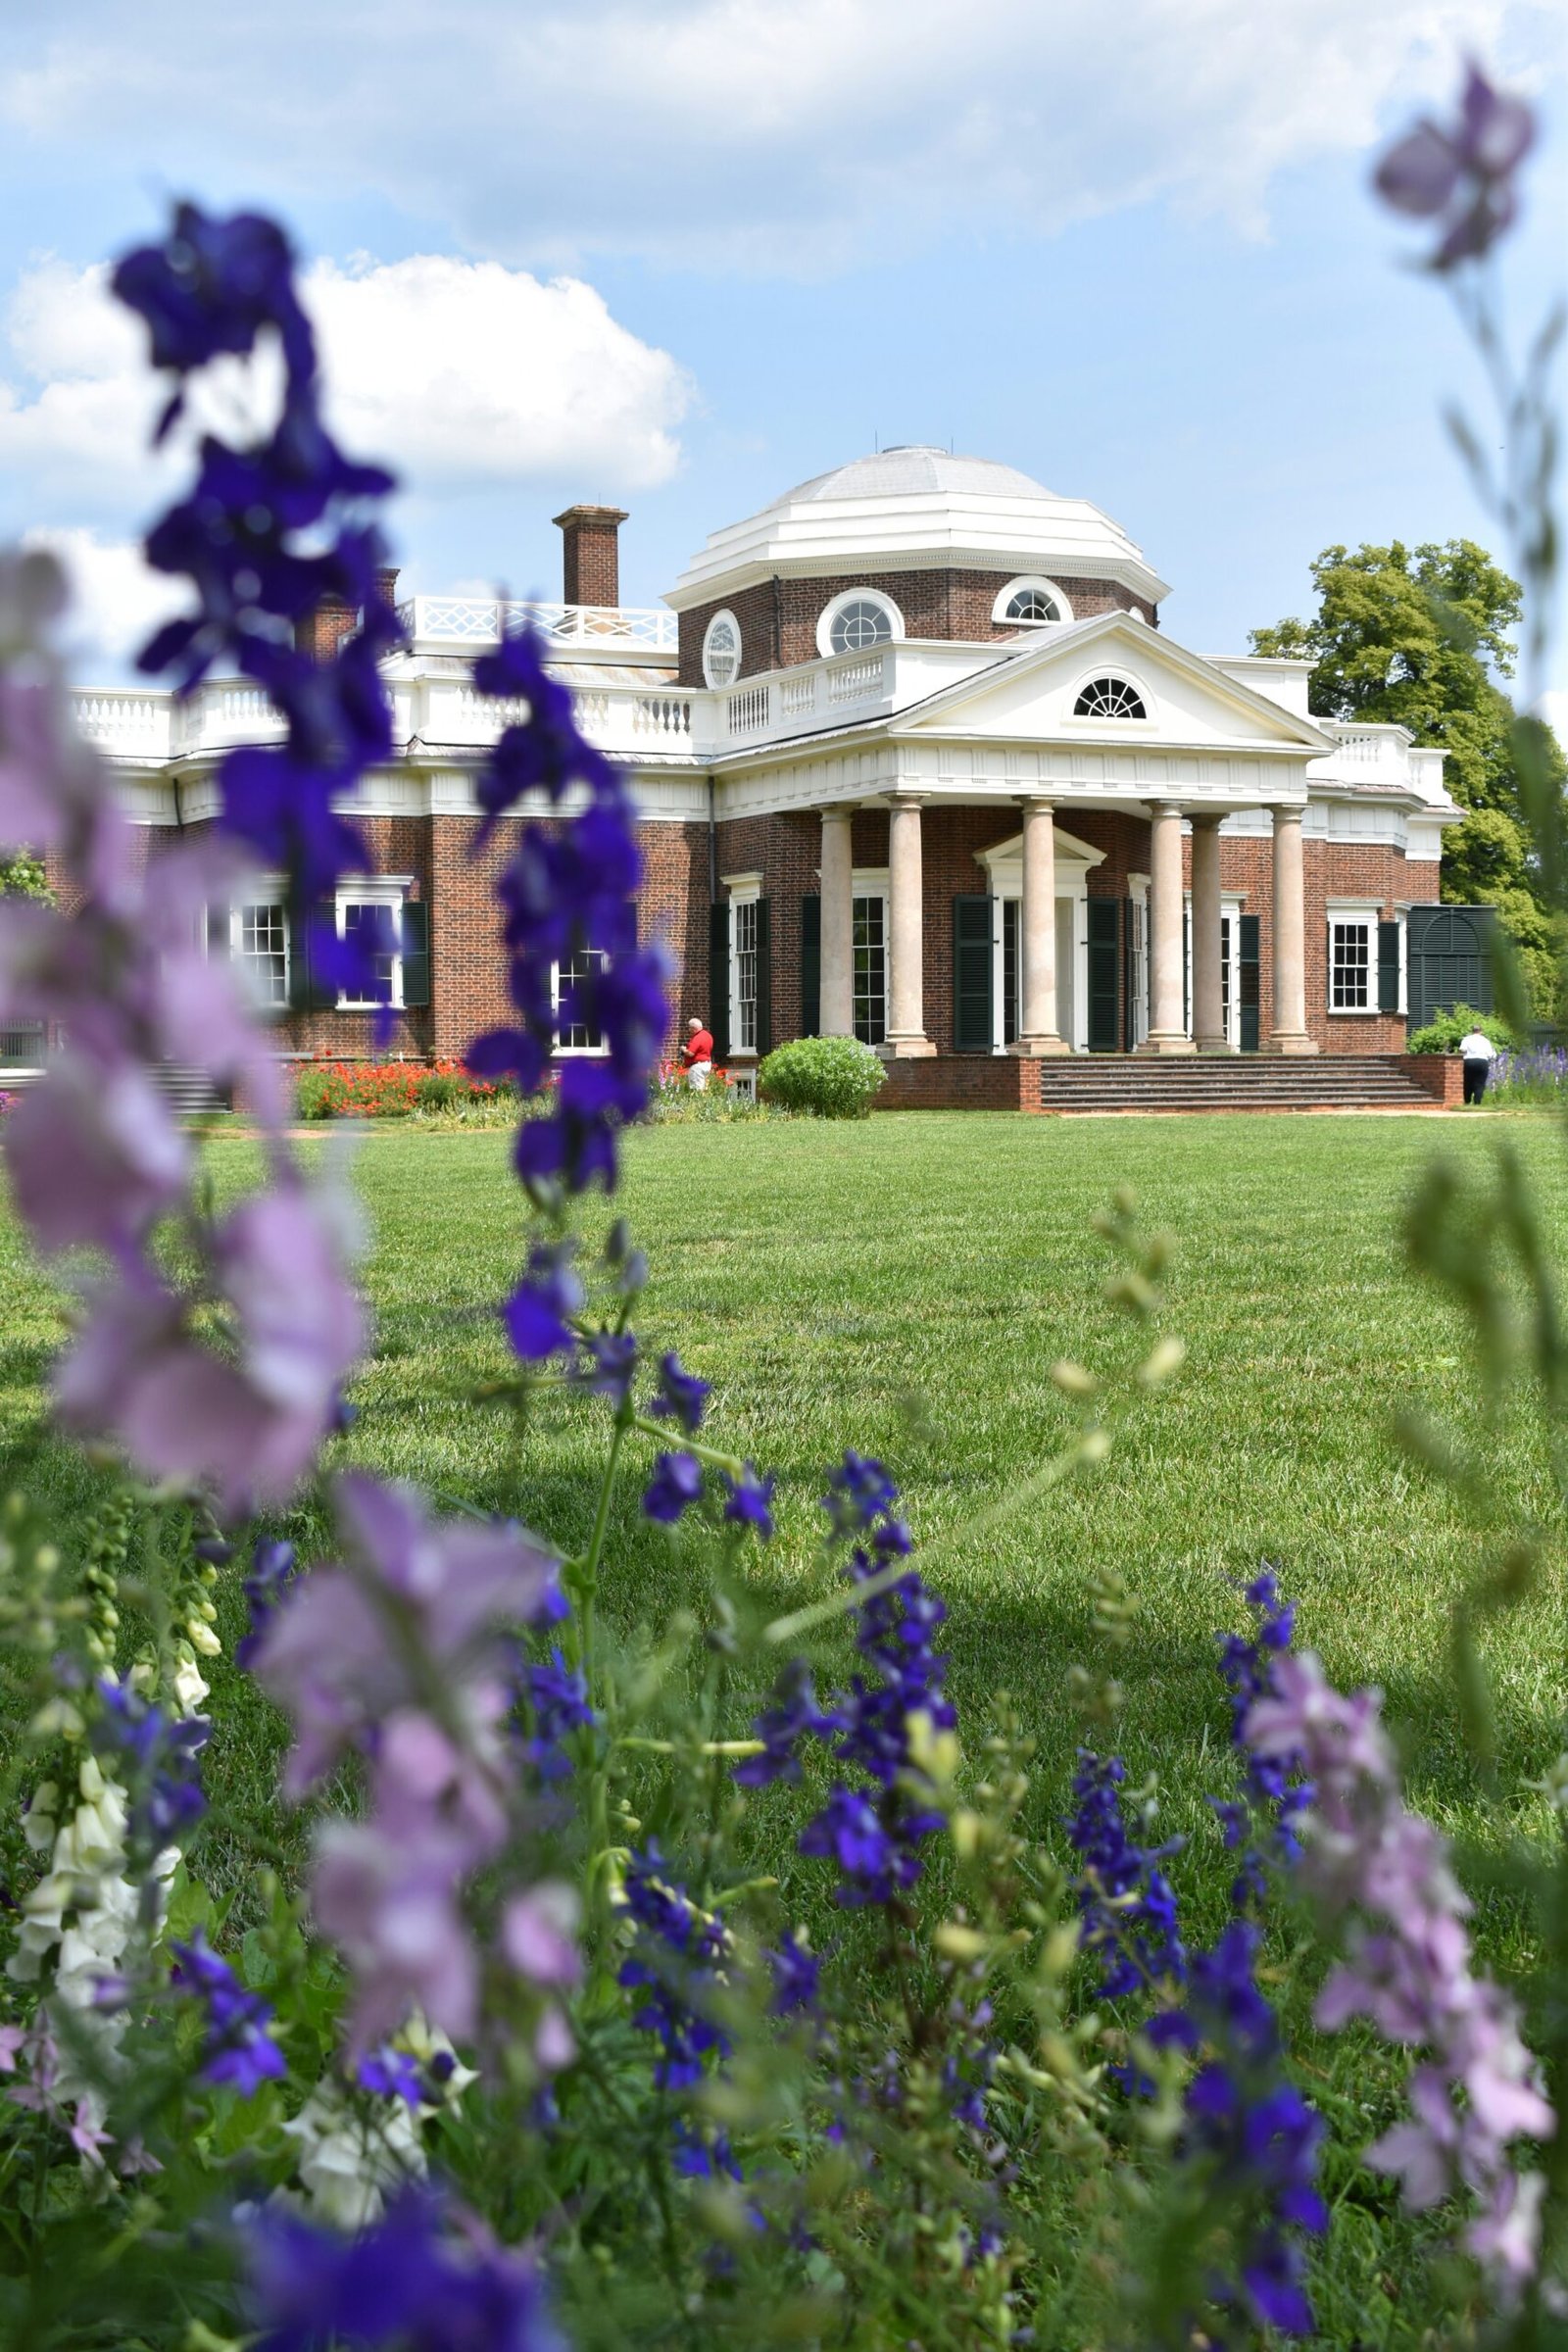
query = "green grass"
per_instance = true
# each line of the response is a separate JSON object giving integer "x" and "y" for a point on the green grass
{"x": 904, "y": 1286}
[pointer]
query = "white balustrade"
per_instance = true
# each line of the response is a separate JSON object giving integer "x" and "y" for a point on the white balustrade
{"x": 749, "y": 711}
{"x": 479, "y": 621}
{"x": 856, "y": 678}
{"x": 132, "y": 724}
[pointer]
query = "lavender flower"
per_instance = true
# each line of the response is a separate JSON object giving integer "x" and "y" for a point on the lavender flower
{"x": 1409, "y": 1964}
{"x": 676, "y": 1484}
{"x": 1125, "y": 1901}
{"x": 237, "y": 2049}
{"x": 1464, "y": 176}
{"x": 425, "y": 2278}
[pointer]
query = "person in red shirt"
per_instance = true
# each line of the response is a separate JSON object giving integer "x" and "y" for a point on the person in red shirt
{"x": 697, "y": 1054}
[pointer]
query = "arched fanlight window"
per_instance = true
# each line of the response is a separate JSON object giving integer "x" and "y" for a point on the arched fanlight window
{"x": 1031, "y": 604}
{"x": 721, "y": 650}
{"x": 1110, "y": 698}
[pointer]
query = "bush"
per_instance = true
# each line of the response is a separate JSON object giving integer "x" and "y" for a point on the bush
{"x": 832, "y": 1077}
{"x": 1443, "y": 1035}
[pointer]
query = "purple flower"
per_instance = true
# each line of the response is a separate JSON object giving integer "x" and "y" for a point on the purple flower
{"x": 1409, "y": 1964}
{"x": 538, "y": 1314}
{"x": 1125, "y": 1901}
{"x": 797, "y": 1971}
{"x": 673, "y": 1966}
{"x": 676, "y": 1484}
{"x": 796, "y": 1715}
{"x": 337, "y": 1654}
{"x": 610, "y": 1366}
{"x": 751, "y": 1503}
{"x": 1464, "y": 176}
{"x": 237, "y": 2049}
{"x": 1274, "y": 1794}
{"x": 850, "y": 1832}
{"x": 159, "y": 1758}
{"x": 425, "y": 2278}
{"x": 211, "y": 287}
{"x": 681, "y": 1396}
{"x": 274, "y": 1564}
{"x": 391, "y": 2073}
{"x": 557, "y": 1696}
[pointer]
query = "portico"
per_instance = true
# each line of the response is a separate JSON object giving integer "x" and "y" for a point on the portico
{"x": 1048, "y": 930}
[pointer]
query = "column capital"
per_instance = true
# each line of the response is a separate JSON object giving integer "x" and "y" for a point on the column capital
{"x": 1167, "y": 808}
{"x": 1036, "y": 800}
{"x": 1288, "y": 812}
{"x": 911, "y": 797}
{"x": 1207, "y": 819}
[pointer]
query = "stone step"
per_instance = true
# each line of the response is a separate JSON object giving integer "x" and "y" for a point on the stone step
{"x": 1230, "y": 1082}
{"x": 190, "y": 1093}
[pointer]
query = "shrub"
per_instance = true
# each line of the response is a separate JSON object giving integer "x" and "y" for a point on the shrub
{"x": 832, "y": 1077}
{"x": 1443, "y": 1035}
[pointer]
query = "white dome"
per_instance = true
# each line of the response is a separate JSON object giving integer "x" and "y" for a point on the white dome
{"x": 915, "y": 508}
{"x": 913, "y": 467}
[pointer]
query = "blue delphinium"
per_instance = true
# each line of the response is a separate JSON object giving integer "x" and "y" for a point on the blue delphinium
{"x": 158, "y": 1756}
{"x": 270, "y": 531}
{"x": 672, "y": 1963}
{"x": 1249, "y": 2132}
{"x": 749, "y": 1501}
{"x": 275, "y": 1565}
{"x": 676, "y": 1484}
{"x": 389, "y": 2073}
{"x": 796, "y": 1970}
{"x": 873, "y": 1835}
{"x": 1261, "y": 1826}
{"x": 1126, "y": 1904}
{"x": 237, "y": 2048}
{"x": 681, "y": 1396}
{"x": 414, "y": 2280}
{"x": 557, "y": 1696}
{"x": 608, "y": 1365}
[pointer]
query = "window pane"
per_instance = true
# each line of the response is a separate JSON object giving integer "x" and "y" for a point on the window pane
{"x": 263, "y": 952}
{"x": 870, "y": 972}
{"x": 578, "y": 1035}
{"x": 375, "y": 924}
{"x": 860, "y": 625}
{"x": 745, "y": 1011}
{"x": 1349, "y": 967}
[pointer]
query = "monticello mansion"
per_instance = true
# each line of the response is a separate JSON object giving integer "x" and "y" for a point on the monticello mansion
{"x": 915, "y": 760}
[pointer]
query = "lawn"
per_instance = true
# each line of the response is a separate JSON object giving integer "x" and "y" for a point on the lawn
{"x": 904, "y": 1286}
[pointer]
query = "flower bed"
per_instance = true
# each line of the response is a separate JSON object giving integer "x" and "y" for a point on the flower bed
{"x": 391, "y": 1090}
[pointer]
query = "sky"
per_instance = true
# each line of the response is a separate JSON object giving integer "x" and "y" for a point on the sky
{"x": 678, "y": 255}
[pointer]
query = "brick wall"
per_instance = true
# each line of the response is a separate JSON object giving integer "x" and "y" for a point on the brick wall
{"x": 778, "y": 617}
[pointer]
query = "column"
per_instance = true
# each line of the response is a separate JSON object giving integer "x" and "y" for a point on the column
{"x": 837, "y": 1007}
{"x": 1208, "y": 994}
{"x": 1167, "y": 1030}
{"x": 1038, "y": 1033}
{"x": 905, "y": 929}
{"x": 1289, "y": 1034}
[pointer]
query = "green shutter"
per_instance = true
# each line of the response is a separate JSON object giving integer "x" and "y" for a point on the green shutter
{"x": 1104, "y": 972}
{"x": 718, "y": 977}
{"x": 1387, "y": 967}
{"x": 765, "y": 979}
{"x": 416, "y": 954}
{"x": 218, "y": 945}
{"x": 811, "y": 965}
{"x": 1247, "y": 978}
{"x": 973, "y": 1026}
{"x": 311, "y": 991}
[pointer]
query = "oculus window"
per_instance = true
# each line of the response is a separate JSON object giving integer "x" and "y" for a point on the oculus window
{"x": 1110, "y": 698}
{"x": 1031, "y": 604}
{"x": 721, "y": 650}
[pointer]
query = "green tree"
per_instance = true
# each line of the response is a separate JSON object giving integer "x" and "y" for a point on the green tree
{"x": 24, "y": 877}
{"x": 1422, "y": 636}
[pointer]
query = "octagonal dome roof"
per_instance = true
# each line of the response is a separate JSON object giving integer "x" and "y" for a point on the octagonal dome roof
{"x": 915, "y": 508}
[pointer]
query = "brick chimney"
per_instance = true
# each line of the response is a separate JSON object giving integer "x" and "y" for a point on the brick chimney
{"x": 591, "y": 555}
{"x": 321, "y": 631}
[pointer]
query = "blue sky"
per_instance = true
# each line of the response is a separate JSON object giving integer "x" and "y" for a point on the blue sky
{"x": 685, "y": 253}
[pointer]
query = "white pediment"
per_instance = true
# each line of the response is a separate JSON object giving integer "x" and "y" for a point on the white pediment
{"x": 1004, "y": 860}
{"x": 1029, "y": 697}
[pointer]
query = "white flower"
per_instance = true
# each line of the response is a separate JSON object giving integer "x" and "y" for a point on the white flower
{"x": 348, "y": 2161}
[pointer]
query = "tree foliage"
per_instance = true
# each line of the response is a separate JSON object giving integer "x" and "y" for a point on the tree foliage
{"x": 1421, "y": 637}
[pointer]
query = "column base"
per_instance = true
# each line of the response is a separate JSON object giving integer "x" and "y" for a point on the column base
{"x": 1215, "y": 1045}
{"x": 1291, "y": 1041}
{"x": 1168, "y": 1040}
{"x": 1041, "y": 1046}
{"x": 910, "y": 1049}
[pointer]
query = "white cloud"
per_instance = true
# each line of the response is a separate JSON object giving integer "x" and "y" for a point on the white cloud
{"x": 116, "y": 601}
{"x": 460, "y": 374}
{"x": 791, "y": 134}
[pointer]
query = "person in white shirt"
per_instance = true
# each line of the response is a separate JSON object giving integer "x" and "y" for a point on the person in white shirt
{"x": 1477, "y": 1053}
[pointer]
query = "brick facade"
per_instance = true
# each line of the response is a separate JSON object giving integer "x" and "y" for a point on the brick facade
{"x": 590, "y": 555}
{"x": 778, "y": 617}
